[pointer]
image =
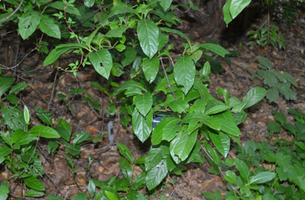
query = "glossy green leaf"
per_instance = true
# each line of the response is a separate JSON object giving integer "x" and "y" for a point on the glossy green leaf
{"x": 6, "y": 137}
{"x": 44, "y": 116}
{"x": 139, "y": 181}
{"x": 237, "y": 6}
{"x": 252, "y": 97}
{"x": 230, "y": 177}
{"x": 44, "y": 131}
{"x": 33, "y": 182}
{"x": 262, "y": 177}
{"x": 28, "y": 23}
{"x": 13, "y": 117}
{"x": 48, "y": 26}
{"x": 221, "y": 142}
{"x": 4, "y": 190}
{"x": 142, "y": 126}
{"x": 12, "y": 99}
{"x": 54, "y": 55}
{"x": 213, "y": 154}
{"x": 89, "y": 3}
{"x": 80, "y": 196}
{"x": 16, "y": 88}
{"x": 26, "y": 114}
{"x": 132, "y": 87}
{"x": 116, "y": 32}
{"x": 165, "y": 4}
{"x": 148, "y": 34}
{"x": 264, "y": 63}
{"x": 243, "y": 169}
{"x": 5, "y": 83}
{"x": 150, "y": 68}
{"x": 144, "y": 103}
{"x": 178, "y": 105}
{"x": 184, "y": 72}
{"x": 169, "y": 30}
{"x": 34, "y": 193}
{"x": 155, "y": 155}
{"x": 216, "y": 109}
{"x": 81, "y": 137}
{"x": 212, "y": 123}
{"x": 64, "y": 129}
{"x": 124, "y": 151}
{"x": 183, "y": 144}
{"x": 101, "y": 56}
{"x": 227, "y": 13}
{"x": 165, "y": 130}
{"x": 217, "y": 49}
{"x": 126, "y": 168}
{"x": 128, "y": 56}
{"x": 156, "y": 175}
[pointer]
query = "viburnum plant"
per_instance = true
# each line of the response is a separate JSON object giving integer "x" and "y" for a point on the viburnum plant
{"x": 132, "y": 38}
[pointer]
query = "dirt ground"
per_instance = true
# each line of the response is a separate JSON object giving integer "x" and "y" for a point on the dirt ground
{"x": 47, "y": 82}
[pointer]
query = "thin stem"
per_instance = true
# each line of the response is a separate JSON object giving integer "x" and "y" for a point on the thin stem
{"x": 168, "y": 83}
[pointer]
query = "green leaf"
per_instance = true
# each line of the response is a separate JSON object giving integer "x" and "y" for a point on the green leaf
{"x": 215, "y": 48}
{"x": 34, "y": 193}
{"x": 165, "y": 130}
{"x": 212, "y": 123}
{"x": 89, "y": 3}
{"x": 91, "y": 36}
{"x": 33, "y": 182}
{"x": 183, "y": 144}
{"x": 272, "y": 94}
{"x": 54, "y": 55}
{"x": 252, "y": 97}
{"x": 16, "y": 88}
{"x": 48, "y": 26}
{"x": 80, "y": 196}
{"x": 165, "y": 4}
{"x": 26, "y": 114}
{"x": 221, "y": 142}
{"x": 144, "y": 103}
{"x": 5, "y": 83}
{"x": 21, "y": 138}
{"x": 178, "y": 105}
{"x": 226, "y": 12}
{"x": 184, "y": 72}
{"x": 126, "y": 168}
{"x": 7, "y": 138}
{"x": 156, "y": 175}
{"x": 243, "y": 169}
{"x": 274, "y": 127}
{"x": 287, "y": 92}
{"x": 237, "y": 6}
{"x": 264, "y": 62}
{"x": 216, "y": 109}
{"x": 150, "y": 68}
{"x": 176, "y": 32}
{"x": 13, "y": 117}
{"x": 124, "y": 151}
{"x": 155, "y": 155}
{"x": 69, "y": 9}
{"x": 81, "y": 137}
{"x": 230, "y": 177}
{"x": 128, "y": 56}
{"x": 148, "y": 34}
{"x": 116, "y": 32}
{"x": 141, "y": 126}
{"x": 280, "y": 117}
{"x": 132, "y": 88}
{"x": 12, "y": 99}
{"x": 101, "y": 56}
{"x": 4, "y": 190}
{"x": 28, "y": 23}
{"x": 44, "y": 116}
{"x": 53, "y": 197}
{"x": 262, "y": 177}
{"x": 45, "y": 132}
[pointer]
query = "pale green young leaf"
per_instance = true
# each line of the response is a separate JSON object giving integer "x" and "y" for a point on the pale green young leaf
{"x": 148, "y": 34}
{"x": 143, "y": 103}
{"x": 13, "y": 117}
{"x": 206, "y": 69}
{"x": 156, "y": 175}
{"x": 44, "y": 131}
{"x": 101, "y": 56}
{"x": 48, "y": 26}
{"x": 264, "y": 63}
{"x": 221, "y": 142}
{"x": 18, "y": 87}
{"x": 27, "y": 115}
{"x": 142, "y": 126}
{"x": 230, "y": 177}
{"x": 150, "y": 68}
{"x": 124, "y": 151}
{"x": 28, "y": 23}
{"x": 130, "y": 86}
{"x": 110, "y": 195}
{"x": 33, "y": 182}
{"x": 5, "y": 83}
{"x": 184, "y": 72}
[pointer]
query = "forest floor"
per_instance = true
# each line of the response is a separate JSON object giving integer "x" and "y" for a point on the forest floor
{"x": 47, "y": 82}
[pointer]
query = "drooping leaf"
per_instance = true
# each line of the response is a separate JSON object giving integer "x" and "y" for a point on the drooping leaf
{"x": 69, "y": 9}
{"x": 16, "y": 88}
{"x": 142, "y": 126}
{"x": 155, "y": 155}
{"x": 217, "y": 49}
{"x": 64, "y": 129}
{"x": 237, "y": 6}
{"x": 125, "y": 152}
{"x": 5, "y": 83}
{"x": 156, "y": 175}
{"x": 144, "y": 103}
{"x": 184, "y": 72}
{"x": 178, "y": 105}
{"x": 148, "y": 34}
{"x": 272, "y": 94}
{"x": 243, "y": 169}
{"x": 165, "y": 130}
{"x": 183, "y": 144}
{"x": 54, "y": 55}
{"x": 101, "y": 56}
{"x": 221, "y": 142}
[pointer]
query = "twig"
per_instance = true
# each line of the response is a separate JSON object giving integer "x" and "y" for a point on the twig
{"x": 52, "y": 94}
{"x": 67, "y": 146}
{"x": 168, "y": 83}
{"x": 2, "y": 20}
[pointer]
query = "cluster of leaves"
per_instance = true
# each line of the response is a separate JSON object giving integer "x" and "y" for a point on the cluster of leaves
{"x": 276, "y": 82}
{"x": 269, "y": 34}
{"x": 265, "y": 171}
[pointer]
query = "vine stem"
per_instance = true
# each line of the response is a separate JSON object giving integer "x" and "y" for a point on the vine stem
{"x": 168, "y": 83}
